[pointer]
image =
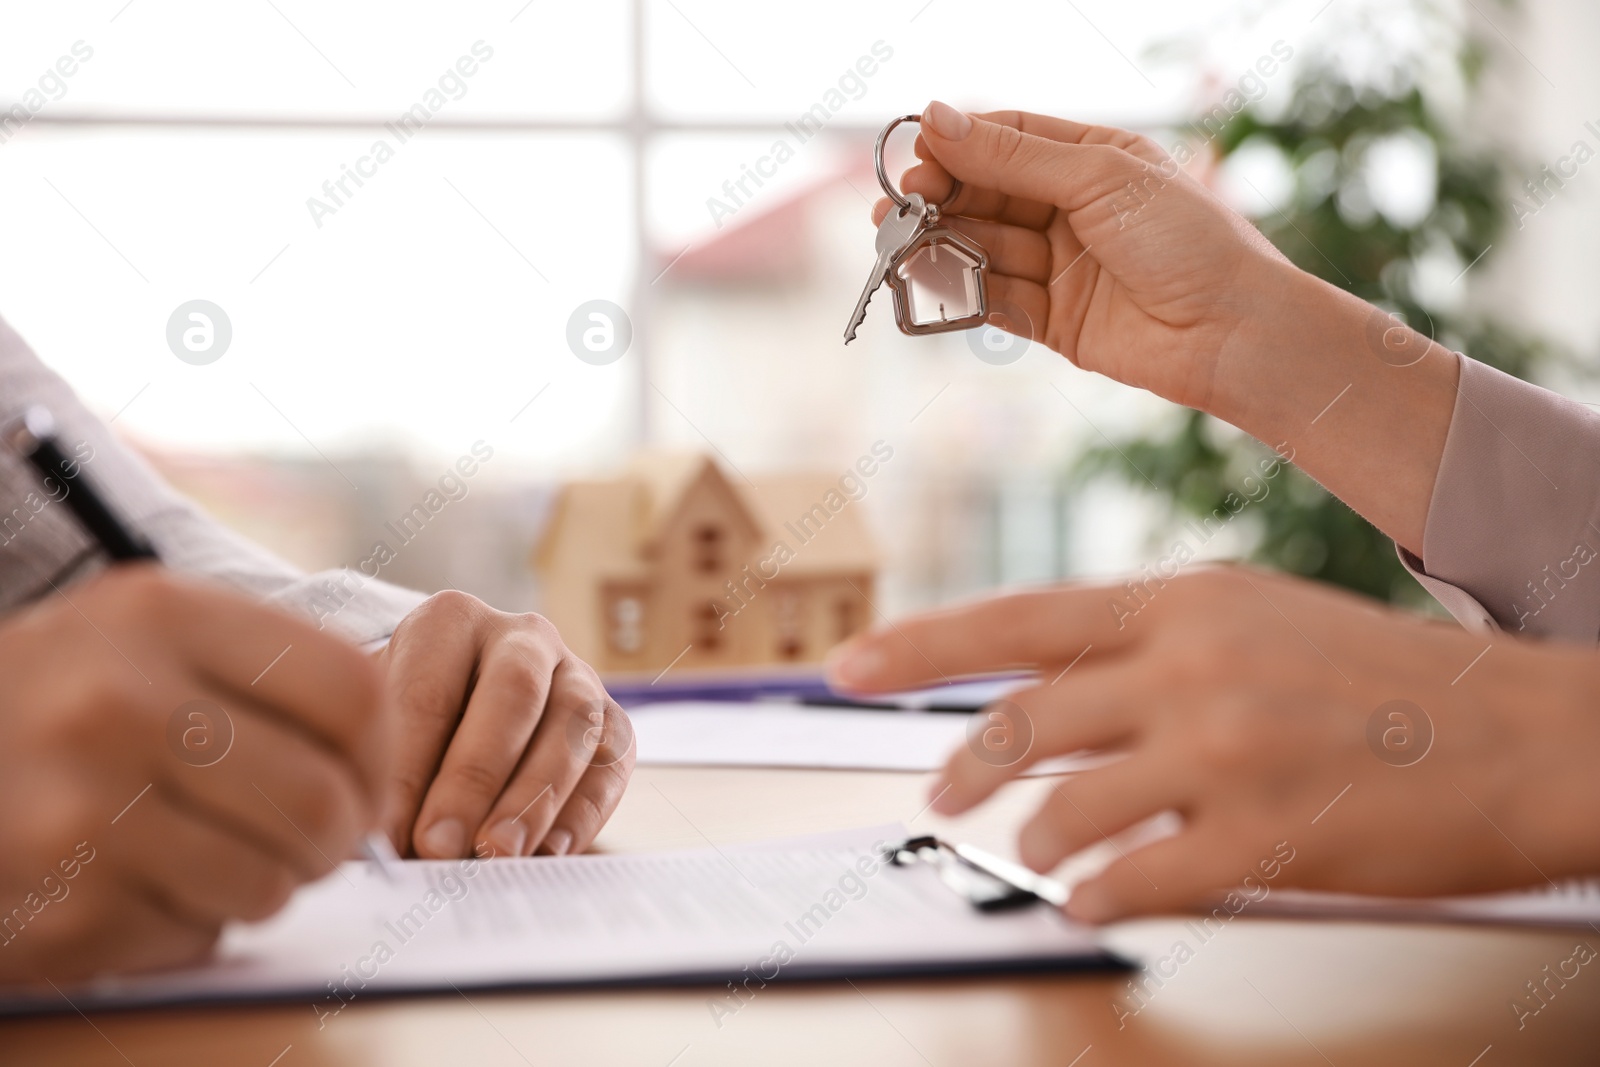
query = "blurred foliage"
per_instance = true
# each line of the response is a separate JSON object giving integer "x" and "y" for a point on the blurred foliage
{"x": 1335, "y": 227}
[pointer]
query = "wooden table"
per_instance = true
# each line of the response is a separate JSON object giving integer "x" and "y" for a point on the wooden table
{"x": 1260, "y": 992}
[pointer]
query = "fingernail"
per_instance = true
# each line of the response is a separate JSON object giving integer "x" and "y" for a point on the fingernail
{"x": 1089, "y": 904}
{"x": 558, "y": 841}
{"x": 946, "y": 121}
{"x": 1040, "y": 848}
{"x": 859, "y": 666}
{"x": 507, "y": 837}
{"x": 445, "y": 839}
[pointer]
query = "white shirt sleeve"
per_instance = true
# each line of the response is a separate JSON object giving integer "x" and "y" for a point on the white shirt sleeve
{"x": 41, "y": 545}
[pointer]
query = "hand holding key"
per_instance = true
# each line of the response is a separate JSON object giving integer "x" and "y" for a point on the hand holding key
{"x": 938, "y": 276}
{"x": 1105, "y": 250}
{"x": 1100, "y": 245}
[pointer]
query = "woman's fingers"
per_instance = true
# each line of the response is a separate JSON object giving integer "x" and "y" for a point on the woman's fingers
{"x": 1014, "y": 250}
{"x": 987, "y": 201}
{"x": 1067, "y": 131}
{"x": 1095, "y": 709}
{"x": 974, "y": 201}
{"x": 1170, "y": 875}
{"x": 1019, "y": 306}
{"x": 1019, "y": 250}
{"x": 998, "y": 163}
{"x": 1021, "y": 262}
{"x": 1097, "y": 805}
{"x": 1019, "y": 630}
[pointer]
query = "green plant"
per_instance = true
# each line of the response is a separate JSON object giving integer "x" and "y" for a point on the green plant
{"x": 1326, "y": 136}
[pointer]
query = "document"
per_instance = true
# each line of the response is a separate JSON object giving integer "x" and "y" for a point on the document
{"x": 1573, "y": 903}
{"x": 762, "y": 734}
{"x": 815, "y": 907}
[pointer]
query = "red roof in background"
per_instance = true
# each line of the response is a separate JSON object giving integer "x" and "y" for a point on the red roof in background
{"x": 765, "y": 241}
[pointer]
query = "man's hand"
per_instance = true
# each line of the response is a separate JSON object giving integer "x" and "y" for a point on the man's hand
{"x": 171, "y": 757}
{"x": 1261, "y": 708}
{"x": 504, "y": 736}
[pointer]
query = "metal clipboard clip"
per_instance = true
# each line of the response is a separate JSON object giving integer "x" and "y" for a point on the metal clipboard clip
{"x": 983, "y": 879}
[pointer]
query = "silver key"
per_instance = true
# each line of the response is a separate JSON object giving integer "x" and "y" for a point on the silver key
{"x": 899, "y": 228}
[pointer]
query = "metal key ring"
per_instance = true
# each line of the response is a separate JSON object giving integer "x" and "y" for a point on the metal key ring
{"x": 883, "y": 176}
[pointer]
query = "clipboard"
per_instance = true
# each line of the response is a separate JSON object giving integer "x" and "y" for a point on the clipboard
{"x": 814, "y": 908}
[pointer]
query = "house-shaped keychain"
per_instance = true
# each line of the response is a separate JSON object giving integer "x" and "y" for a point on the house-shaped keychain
{"x": 939, "y": 283}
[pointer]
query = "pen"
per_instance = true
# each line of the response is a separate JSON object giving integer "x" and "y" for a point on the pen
{"x": 32, "y": 435}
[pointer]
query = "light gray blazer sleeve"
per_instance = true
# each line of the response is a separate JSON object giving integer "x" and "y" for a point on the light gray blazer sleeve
{"x": 1513, "y": 528}
{"x": 41, "y": 545}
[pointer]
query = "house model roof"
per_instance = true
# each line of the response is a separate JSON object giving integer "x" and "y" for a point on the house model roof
{"x": 610, "y": 526}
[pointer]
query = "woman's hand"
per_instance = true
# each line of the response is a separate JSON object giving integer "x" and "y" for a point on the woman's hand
{"x": 1112, "y": 255}
{"x": 1102, "y": 248}
{"x": 505, "y": 738}
{"x": 1260, "y": 709}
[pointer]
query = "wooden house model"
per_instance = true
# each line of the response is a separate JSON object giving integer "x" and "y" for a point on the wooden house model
{"x": 674, "y": 563}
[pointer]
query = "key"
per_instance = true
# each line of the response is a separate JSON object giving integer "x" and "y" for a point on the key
{"x": 897, "y": 231}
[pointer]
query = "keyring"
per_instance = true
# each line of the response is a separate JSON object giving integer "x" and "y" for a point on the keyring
{"x": 883, "y": 175}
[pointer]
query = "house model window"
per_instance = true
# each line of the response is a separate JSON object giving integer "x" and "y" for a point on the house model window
{"x": 790, "y": 626}
{"x": 673, "y": 563}
{"x": 708, "y": 549}
{"x": 844, "y": 619}
{"x": 625, "y": 623}
{"x": 707, "y": 629}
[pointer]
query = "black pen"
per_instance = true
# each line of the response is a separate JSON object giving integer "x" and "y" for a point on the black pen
{"x": 33, "y": 436}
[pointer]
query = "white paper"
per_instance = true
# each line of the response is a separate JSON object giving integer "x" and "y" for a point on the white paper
{"x": 1575, "y": 903}
{"x": 731, "y": 734}
{"x": 815, "y": 905}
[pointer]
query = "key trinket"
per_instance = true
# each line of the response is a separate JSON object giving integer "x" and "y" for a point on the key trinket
{"x": 938, "y": 277}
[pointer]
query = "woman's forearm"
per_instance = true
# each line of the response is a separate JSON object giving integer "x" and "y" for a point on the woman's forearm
{"x": 1364, "y": 402}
